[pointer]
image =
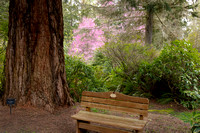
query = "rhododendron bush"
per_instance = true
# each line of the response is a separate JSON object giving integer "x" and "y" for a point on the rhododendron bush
{"x": 87, "y": 38}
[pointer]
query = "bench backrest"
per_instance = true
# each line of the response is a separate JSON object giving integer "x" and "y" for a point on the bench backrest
{"x": 115, "y": 102}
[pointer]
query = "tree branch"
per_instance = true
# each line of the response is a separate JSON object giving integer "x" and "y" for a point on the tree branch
{"x": 165, "y": 25}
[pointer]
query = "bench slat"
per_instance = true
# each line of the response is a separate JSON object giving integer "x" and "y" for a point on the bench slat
{"x": 100, "y": 128}
{"x": 120, "y": 96}
{"x": 115, "y": 108}
{"x": 116, "y": 121}
{"x": 115, "y": 102}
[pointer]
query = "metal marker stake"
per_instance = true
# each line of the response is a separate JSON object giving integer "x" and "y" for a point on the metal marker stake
{"x": 10, "y": 109}
{"x": 10, "y": 102}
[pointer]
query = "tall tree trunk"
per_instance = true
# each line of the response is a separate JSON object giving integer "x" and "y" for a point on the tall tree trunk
{"x": 35, "y": 71}
{"x": 149, "y": 27}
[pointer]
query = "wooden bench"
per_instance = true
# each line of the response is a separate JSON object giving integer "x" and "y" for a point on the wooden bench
{"x": 109, "y": 123}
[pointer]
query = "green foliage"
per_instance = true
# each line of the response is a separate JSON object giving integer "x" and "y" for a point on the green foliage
{"x": 103, "y": 72}
{"x": 176, "y": 72}
{"x": 166, "y": 98}
{"x": 108, "y": 77}
{"x": 73, "y": 11}
{"x": 2, "y": 74}
{"x": 101, "y": 59}
{"x": 126, "y": 59}
{"x": 192, "y": 118}
{"x": 4, "y": 20}
{"x": 3, "y": 41}
{"x": 114, "y": 81}
{"x": 80, "y": 77}
{"x": 71, "y": 18}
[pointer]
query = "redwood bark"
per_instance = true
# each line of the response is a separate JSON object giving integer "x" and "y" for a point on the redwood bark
{"x": 35, "y": 69}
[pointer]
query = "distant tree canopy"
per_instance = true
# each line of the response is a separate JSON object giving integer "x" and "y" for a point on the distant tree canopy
{"x": 164, "y": 19}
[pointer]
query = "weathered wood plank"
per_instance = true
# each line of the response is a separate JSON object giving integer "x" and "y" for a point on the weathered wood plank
{"x": 119, "y": 96}
{"x": 115, "y": 108}
{"x": 115, "y": 102}
{"x": 111, "y": 120}
{"x": 116, "y": 118}
{"x": 101, "y": 129}
{"x": 78, "y": 130}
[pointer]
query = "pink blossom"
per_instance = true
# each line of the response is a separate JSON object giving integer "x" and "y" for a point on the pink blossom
{"x": 88, "y": 37}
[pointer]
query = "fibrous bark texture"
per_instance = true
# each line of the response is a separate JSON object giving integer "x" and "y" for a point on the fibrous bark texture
{"x": 35, "y": 71}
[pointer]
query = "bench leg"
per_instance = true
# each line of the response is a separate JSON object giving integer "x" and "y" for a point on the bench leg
{"x": 79, "y": 130}
{"x": 139, "y": 131}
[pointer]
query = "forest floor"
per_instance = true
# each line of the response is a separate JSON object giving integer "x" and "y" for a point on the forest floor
{"x": 24, "y": 119}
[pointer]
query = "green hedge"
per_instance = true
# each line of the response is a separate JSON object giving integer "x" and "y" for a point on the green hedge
{"x": 174, "y": 75}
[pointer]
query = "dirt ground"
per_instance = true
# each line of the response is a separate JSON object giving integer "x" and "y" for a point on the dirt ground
{"x": 34, "y": 120}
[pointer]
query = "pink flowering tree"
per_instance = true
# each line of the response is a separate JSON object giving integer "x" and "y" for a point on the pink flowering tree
{"x": 87, "y": 38}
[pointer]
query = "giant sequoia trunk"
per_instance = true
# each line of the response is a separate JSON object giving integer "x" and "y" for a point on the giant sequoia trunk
{"x": 149, "y": 27}
{"x": 35, "y": 71}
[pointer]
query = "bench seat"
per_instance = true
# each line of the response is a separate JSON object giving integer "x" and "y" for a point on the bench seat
{"x": 112, "y": 120}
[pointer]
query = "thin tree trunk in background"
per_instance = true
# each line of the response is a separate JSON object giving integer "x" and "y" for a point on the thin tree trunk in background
{"x": 149, "y": 27}
{"x": 35, "y": 69}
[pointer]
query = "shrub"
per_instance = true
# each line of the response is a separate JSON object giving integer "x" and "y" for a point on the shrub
{"x": 126, "y": 59}
{"x": 2, "y": 72}
{"x": 174, "y": 74}
{"x": 80, "y": 77}
{"x": 108, "y": 77}
{"x": 102, "y": 67}
{"x": 193, "y": 118}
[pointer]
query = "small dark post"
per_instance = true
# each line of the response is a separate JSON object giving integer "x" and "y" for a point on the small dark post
{"x": 10, "y": 102}
{"x": 10, "y": 109}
